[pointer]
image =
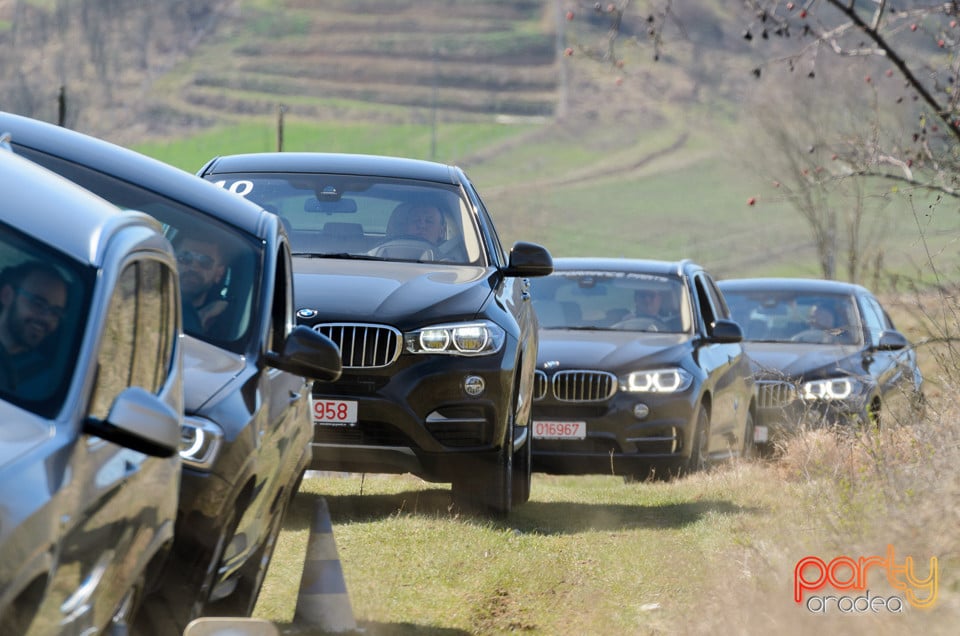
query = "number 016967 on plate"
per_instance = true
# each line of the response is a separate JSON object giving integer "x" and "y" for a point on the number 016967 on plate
{"x": 559, "y": 430}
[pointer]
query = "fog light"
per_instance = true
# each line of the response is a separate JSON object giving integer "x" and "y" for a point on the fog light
{"x": 641, "y": 411}
{"x": 473, "y": 385}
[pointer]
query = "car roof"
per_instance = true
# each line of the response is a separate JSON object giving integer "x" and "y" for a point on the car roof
{"x": 59, "y": 212}
{"x": 633, "y": 265}
{"x": 810, "y": 285}
{"x": 335, "y": 163}
{"x": 134, "y": 167}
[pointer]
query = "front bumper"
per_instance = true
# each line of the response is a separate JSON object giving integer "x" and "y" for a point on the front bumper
{"x": 617, "y": 441}
{"x": 777, "y": 422}
{"x": 417, "y": 416}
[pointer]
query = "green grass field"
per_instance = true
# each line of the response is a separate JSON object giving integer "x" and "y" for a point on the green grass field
{"x": 608, "y": 196}
{"x": 712, "y": 553}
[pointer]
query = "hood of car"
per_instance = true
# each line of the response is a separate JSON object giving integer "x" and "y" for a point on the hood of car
{"x": 778, "y": 360}
{"x": 609, "y": 350}
{"x": 404, "y": 295}
{"x": 19, "y": 432}
{"x": 206, "y": 371}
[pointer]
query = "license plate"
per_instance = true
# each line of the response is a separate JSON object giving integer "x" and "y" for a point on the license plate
{"x": 760, "y": 435}
{"x": 559, "y": 430}
{"x": 333, "y": 412}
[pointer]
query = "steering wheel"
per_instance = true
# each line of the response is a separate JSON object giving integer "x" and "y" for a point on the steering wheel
{"x": 819, "y": 336}
{"x": 640, "y": 323}
{"x": 407, "y": 247}
{"x": 815, "y": 336}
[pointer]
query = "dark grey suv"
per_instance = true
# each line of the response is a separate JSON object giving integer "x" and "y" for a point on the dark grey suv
{"x": 91, "y": 400}
{"x": 640, "y": 371}
{"x": 247, "y": 430}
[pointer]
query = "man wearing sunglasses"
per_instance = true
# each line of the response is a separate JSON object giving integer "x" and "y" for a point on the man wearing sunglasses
{"x": 658, "y": 307}
{"x": 202, "y": 265}
{"x": 33, "y": 300}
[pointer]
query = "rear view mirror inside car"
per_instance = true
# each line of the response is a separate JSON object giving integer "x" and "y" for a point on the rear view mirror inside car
{"x": 340, "y": 206}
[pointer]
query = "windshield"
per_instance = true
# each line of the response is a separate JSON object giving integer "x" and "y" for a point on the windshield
{"x": 44, "y": 303}
{"x": 366, "y": 217}
{"x": 795, "y": 316}
{"x": 219, "y": 266}
{"x": 619, "y": 301}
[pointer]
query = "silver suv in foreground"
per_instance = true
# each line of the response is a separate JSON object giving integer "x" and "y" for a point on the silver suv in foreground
{"x": 91, "y": 403}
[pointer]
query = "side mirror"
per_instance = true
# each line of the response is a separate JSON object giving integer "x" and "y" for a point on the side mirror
{"x": 725, "y": 331}
{"x": 139, "y": 420}
{"x": 892, "y": 341}
{"x": 308, "y": 353}
{"x": 529, "y": 259}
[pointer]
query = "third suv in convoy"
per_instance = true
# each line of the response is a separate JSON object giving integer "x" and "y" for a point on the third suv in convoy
{"x": 824, "y": 352}
{"x": 398, "y": 261}
{"x": 641, "y": 371}
{"x": 247, "y": 430}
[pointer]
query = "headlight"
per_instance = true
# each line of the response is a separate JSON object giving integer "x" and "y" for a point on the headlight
{"x": 461, "y": 339}
{"x": 200, "y": 442}
{"x": 658, "y": 381}
{"x": 828, "y": 389}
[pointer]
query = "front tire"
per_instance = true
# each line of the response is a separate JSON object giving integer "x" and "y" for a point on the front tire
{"x": 183, "y": 595}
{"x": 874, "y": 413}
{"x": 522, "y": 472}
{"x": 242, "y": 601}
{"x": 489, "y": 485}
{"x": 699, "y": 458}
{"x": 749, "y": 450}
{"x": 124, "y": 616}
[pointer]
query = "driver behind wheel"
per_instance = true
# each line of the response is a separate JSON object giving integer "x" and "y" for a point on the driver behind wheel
{"x": 648, "y": 303}
{"x": 424, "y": 222}
{"x": 658, "y": 305}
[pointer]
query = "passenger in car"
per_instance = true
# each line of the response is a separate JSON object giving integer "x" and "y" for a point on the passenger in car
{"x": 202, "y": 265}
{"x": 33, "y": 301}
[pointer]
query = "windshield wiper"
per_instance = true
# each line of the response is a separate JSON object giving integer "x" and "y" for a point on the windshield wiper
{"x": 341, "y": 255}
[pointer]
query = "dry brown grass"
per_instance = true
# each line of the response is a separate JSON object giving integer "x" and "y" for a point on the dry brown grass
{"x": 852, "y": 494}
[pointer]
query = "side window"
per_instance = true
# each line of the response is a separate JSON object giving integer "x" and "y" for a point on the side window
{"x": 494, "y": 245}
{"x": 873, "y": 318}
{"x": 281, "y": 309}
{"x": 139, "y": 334}
{"x": 721, "y": 309}
{"x": 704, "y": 300}
{"x": 156, "y": 326}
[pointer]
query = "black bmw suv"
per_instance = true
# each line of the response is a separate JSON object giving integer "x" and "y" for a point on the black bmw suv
{"x": 397, "y": 260}
{"x": 641, "y": 370}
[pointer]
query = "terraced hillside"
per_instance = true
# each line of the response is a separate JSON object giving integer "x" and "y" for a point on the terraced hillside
{"x": 388, "y": 61}
{"x": 131, "y": 69}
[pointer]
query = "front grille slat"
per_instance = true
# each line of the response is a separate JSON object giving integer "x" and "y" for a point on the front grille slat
{"x": 364, "y": 346}
{"x": 583, "y": 386}
{"x": 375, "y": 347}
{"x": 775, "y": 393}
{"x": 540, "y": 385}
